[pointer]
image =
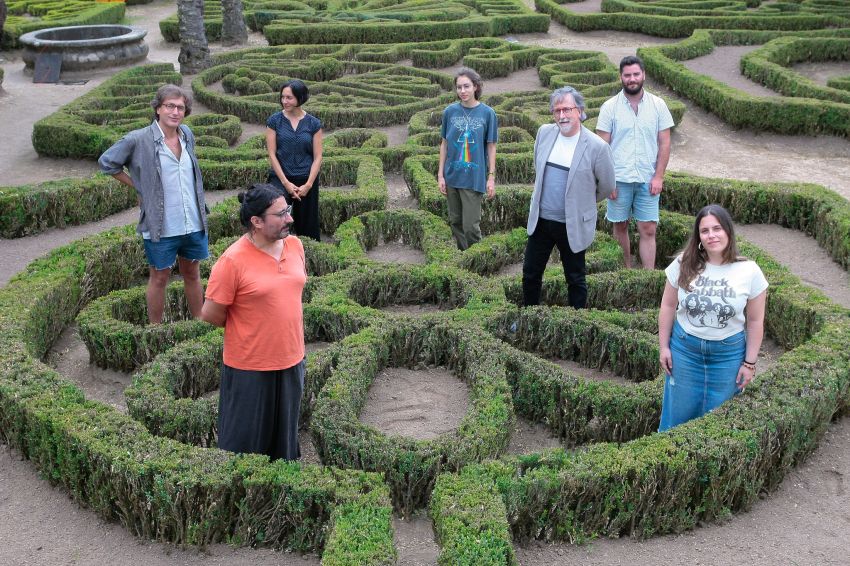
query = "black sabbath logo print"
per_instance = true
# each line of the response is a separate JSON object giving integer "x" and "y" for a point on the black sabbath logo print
{"x": 707, "y": 306}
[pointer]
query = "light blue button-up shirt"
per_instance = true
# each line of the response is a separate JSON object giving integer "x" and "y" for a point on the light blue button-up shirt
{"x": 634, "y": 137}
{"x": 178, "y": 182}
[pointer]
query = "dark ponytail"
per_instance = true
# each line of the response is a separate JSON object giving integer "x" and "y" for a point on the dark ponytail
{"x": 255, "y": 201}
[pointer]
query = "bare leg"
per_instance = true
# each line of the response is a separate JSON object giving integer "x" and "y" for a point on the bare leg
{"x": 191, "y": 271}
{"x": 646, "y": 247}
{"x": 157, "y": 281}
{"x": 621, "y": 234}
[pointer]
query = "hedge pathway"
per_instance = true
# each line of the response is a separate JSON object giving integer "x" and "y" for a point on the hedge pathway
{"x": 805, "y": 521}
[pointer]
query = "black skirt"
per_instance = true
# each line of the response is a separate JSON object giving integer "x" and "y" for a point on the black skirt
{"x": 258, "y": 411}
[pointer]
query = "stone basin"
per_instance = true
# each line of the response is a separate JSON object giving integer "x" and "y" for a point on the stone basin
{"x": 86, "y": 47}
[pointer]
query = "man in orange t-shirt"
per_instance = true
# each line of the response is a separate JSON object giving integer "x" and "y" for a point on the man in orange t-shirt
{"x": 254, "y": 292}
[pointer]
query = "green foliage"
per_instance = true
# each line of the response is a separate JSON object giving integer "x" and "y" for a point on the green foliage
{"x": 810, "y": 208}
{"x": 154, "y": 473}
{"x": 787, "y": 115}
{"x": 156, "y": 487}
{"x": 30, "y": 209}
{"x": 770, "y": 64}
{"x": 659, "y": 483}
{"x": 115, "y": 331}
{"x": 410, "y": 467}
{"x": 666, "y": 19}
{"x": 86, "y": 127}
{"x": 320, "y": 22}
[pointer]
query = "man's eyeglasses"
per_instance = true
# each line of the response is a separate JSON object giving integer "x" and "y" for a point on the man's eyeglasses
{"x": 172, "y": 107}
{"x": 283, "y": 213}
{"x": 565, "y": 110}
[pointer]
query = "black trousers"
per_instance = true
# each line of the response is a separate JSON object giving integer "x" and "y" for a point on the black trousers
{"x": 258, "y": 411}
{"x": 305, "y": 212}
{"x": 547, "y": 235}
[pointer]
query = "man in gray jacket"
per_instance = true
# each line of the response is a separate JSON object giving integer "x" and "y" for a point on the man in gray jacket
{"x": 162, "y": 167}
{"x": 574, "y": 171}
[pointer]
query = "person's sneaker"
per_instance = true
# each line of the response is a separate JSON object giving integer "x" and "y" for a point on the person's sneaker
{"x": 513, "y": 327}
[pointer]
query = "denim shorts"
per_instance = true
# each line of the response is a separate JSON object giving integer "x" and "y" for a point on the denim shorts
{"x": 633, "y": 200}
{"x": 704, "y": 375}
{"x": 164, "y": 253}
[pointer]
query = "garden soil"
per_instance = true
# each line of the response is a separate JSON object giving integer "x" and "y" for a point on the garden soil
{"x": 806, "y": 521}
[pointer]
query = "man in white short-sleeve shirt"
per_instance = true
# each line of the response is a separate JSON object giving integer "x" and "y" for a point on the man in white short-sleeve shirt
{"x": 637, "y": 125}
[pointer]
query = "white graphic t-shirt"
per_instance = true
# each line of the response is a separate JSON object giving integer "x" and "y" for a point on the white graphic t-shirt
{"x": 714, "y": 307}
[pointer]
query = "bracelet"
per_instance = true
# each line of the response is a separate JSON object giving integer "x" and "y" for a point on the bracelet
{"x": 749, "y": 365}
{"x": 491, "y": 174}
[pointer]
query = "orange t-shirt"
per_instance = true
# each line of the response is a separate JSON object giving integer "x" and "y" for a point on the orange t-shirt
{"x": 264, "y": 328}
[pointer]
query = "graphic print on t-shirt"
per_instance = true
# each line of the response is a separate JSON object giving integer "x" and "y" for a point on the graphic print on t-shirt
{"x": 707, "y": 305}
{"x": 465, "y": 140}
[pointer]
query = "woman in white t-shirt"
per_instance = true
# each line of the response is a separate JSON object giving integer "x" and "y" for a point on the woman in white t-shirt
{"x": 711, "y": 321}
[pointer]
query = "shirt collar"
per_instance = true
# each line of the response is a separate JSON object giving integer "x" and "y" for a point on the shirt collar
{"x": 626, "y": 100}
{"x": 159, "y": 135}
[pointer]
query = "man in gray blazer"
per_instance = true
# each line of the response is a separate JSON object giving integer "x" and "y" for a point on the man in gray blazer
{"x": 574, "y": 171}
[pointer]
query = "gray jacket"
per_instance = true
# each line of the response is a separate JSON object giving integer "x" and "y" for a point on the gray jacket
{"x": 138, "y": 151}
{"x": 591, "y": 179}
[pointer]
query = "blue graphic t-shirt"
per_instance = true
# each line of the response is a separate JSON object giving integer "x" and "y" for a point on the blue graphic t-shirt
{"x": 713, "y": 309}
{"x": 467, "y": 132}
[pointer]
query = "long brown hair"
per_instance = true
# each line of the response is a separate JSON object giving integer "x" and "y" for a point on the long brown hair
{"x": 475, "y": 78}
{"x": 694, "y": 258}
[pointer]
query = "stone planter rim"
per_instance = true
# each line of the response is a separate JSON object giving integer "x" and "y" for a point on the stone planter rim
{"x": 132, "y": 33}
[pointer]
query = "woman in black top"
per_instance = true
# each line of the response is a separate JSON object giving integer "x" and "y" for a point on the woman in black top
{"x": 294, "y": 144}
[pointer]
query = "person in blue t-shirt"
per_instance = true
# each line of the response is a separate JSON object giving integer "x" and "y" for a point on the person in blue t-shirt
{"x": 467, "y": 169}
{"x": 294, "y": 145}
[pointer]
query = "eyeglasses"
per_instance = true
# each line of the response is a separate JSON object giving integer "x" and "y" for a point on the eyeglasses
{"x": 172, "y": 107}
{"x": 565, "y": 110}
{"x": 282, "y": 214}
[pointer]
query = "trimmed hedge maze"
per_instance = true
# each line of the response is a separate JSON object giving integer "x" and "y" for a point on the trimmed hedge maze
{"x": 24, "y": 16}
{"x": 156, "y": 470}
{"x": 353, "y": 86}
{"x": 680, "y": 19}
{"x": 619, "y": 478}
{"x": 804, "y": 108}
{"x": 86, "y": 127}
{"x": 321, "y": 21}
{"x": 29, "y": 209}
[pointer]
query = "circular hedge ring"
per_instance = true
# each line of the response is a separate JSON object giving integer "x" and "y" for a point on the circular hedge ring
{"x": 116, "y": 332}
{"x": 410, "y": 467}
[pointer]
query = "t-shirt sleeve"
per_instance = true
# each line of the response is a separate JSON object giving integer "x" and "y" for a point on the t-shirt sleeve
{"x": 221, "y": 287}
{"x": 317, "y": 124}
{"x": 672, "y": 273}
{"x": 665, "y": 119}
{"x": 605, "y": 119}
{"x": 492, "y": 127}
{"x": 274, "y": 121}
{"x": 758, "y": 282}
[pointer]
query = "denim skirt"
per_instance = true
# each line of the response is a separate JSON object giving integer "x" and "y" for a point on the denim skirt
{"x": 704, "y": 375}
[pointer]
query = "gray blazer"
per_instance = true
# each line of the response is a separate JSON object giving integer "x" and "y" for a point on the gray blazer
{"x": 591, "y": 179}
{"x": 138, "y": 151}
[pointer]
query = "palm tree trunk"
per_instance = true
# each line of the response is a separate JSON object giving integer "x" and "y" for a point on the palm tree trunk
{"x": 233, "y": 29}
{"x": 2, "y": 17}
{"x": 194, "y": 51}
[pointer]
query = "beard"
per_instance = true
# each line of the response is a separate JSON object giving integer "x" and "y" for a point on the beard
{"x": 633, "y": 89}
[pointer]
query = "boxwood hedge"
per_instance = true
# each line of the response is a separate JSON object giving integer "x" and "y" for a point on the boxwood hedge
{"x": 788, "y": 115}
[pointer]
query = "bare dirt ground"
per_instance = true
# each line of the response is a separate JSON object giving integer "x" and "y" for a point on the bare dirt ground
{"x": 420, "y": 404}
{"x": 823, "y": 71}
{"x": 805, "y": 522}
{"x": 723, "y": 63}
